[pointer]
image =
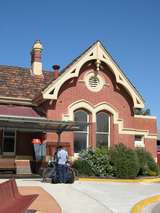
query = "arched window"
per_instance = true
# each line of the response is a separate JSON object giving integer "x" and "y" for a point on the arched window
{"x": 80, "y": 137}
{"x": 102, "y": 129}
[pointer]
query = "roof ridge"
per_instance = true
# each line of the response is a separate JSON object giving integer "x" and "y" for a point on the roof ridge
{"x": 122, "y": 70}
{"x": 76, "y": 58}
{"x": 19, "y": 67}
{"x": 12, "y": 66}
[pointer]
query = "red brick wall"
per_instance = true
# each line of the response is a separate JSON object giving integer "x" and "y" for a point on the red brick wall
{"x": 74, "y": 90}
{"x": 112, "y": 93}
{"x": 146, "y": 124}
{"x": 151, "y": 146}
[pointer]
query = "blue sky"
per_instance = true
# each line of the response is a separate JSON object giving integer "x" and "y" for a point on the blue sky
{"x": 130, "y": 30}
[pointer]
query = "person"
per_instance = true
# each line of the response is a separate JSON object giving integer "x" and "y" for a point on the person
{"x": 55, "y": 155}
{"x": 62, "y": 158}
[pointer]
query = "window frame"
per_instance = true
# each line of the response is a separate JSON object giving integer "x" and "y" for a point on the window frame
{"x": 9, "y": 136}
{"x": 103, "y": 133}
{"x": 140, "y": 143}
{"x": 81, "y": 131}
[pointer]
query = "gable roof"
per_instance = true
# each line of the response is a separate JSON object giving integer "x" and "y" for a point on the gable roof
{"x": 77, "y": 58}
{"x": 17, "y": 82}
{"x": 95, "y": 52}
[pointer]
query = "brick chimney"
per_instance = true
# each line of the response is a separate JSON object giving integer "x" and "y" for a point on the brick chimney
{"x": 36, "y": 63}
{"x": 56, "y": 68}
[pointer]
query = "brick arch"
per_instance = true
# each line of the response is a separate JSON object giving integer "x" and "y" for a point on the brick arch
{"x": 92, "y": 109}
{"x": 81, "y": 104}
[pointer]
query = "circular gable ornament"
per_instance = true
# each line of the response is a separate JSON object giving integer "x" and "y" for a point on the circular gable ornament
{"x": 94, "y": 82}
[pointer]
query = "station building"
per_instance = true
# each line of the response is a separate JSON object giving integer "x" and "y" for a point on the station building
{"x": 44, "y": 107}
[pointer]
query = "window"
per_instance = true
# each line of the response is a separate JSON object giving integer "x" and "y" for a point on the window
{"x": 8, "y": 141}
{"x": 138, "y": 141}
{"x": 102, "y": 129}
{"x": 81, "y": 137}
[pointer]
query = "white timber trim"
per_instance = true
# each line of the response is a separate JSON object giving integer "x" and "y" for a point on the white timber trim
{"x": 96, "y": 52}
{"x": 94, "y": 109}
{"x": 145, "y": 116}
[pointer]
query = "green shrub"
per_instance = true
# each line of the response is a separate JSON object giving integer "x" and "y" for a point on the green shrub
{"x": 125, "y": 161}
{"x": 82, "y": 167}
{"x": 146, "y": 162}
{"x": 152, "y": 173}
{"x": 119, "y": 161}
{"x": 98, "y": 161}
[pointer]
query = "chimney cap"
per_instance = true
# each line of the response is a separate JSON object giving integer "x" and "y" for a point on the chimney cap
{"x": 37, "y": 45}
{"x": 56, "y": 67}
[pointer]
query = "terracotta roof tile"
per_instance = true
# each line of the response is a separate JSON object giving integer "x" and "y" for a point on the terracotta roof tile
{"x": 18, "y": 111}
{"x": 18, "y": 82}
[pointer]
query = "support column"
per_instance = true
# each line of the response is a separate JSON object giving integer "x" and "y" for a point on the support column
{"x": 92, "y": 137}
{"x": 59, "y": 137}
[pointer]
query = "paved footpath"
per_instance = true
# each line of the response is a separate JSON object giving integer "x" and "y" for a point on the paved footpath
{"x": 101, "y": 197}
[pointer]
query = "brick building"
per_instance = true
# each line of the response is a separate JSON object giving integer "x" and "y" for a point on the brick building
{"x": 91, "y": 89}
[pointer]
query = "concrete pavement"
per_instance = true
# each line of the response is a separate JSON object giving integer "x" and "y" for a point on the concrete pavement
{"x": 102, "y": 197}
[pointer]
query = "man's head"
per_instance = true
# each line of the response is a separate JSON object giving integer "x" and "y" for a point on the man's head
{"x": 60, "y": 147}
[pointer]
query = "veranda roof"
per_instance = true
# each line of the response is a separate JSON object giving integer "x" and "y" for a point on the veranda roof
{"x": 41, "y": 124}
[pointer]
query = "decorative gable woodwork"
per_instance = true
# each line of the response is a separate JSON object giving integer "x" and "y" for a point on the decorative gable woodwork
{"x": 98, "y": 53}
